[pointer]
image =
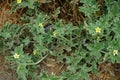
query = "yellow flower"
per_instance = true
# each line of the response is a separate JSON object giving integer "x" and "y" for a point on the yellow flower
{"x": 54, "y": 33}
{"x": 115, "y": 52}
{"x": 16, "y": 56}
{"x": 98, "y": 30}
{"x": 34, "y": 52}
{"x": 40, "y": 25}
{"x": 19, "y": 1}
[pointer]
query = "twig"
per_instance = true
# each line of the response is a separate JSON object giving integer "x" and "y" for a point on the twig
{"x": 60, "y": 68}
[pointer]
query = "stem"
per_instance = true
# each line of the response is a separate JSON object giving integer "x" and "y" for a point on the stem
{"x": 37, "y": 61}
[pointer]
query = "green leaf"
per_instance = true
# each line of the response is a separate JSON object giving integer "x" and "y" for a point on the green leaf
{"x": 19, "y": 49}
{"x": 39, "y": 39}
{"x": 26, "y": 41}
{"x": 22, "y": 72}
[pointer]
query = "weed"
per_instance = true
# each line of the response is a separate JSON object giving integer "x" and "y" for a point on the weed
{"x": 82, "y": 47}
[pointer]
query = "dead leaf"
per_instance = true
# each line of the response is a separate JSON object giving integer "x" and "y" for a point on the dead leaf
{"x": 42, "y": 1}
